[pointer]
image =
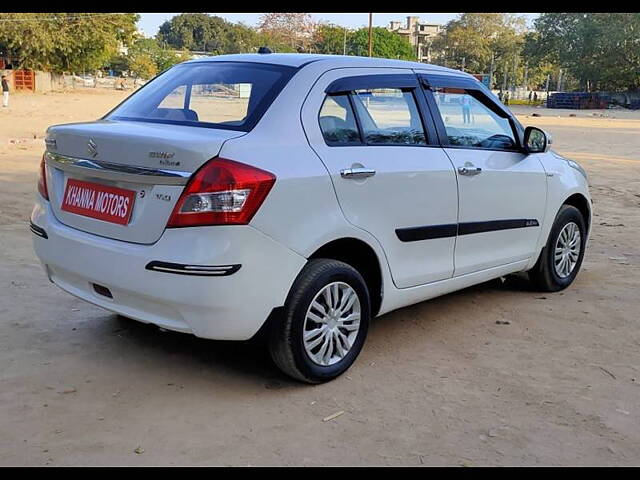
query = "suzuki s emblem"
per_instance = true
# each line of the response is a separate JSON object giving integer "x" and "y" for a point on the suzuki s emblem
{"x": 92, "y": 148}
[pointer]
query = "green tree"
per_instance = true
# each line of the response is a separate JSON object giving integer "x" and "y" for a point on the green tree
{"x": 332, "y": 39}
{"x": 601, "y": 50}
{"x": 476, "y": 41}
{"x": 65, "y": 42}
{"x": 242, "y": 39}
{"x": 202, "y": 32}
{"x": 292, "y": 32}
{"x": 194, "y": 31}
{"x": 120, "y": 63}
{"x": 143, "y": 66}
{"x": 162, "y": 56}
{"x": 386, "y": 44}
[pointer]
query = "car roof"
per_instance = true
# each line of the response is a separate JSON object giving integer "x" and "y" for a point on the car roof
{"x": 330, "y": 61}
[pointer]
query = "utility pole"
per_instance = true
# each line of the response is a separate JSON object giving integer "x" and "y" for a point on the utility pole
{"x": 491, "y": 71}
{"x": 559, "y": 85}
{"x": 513, "y": 79}
{"x": 504, "y": 77}
{"x": 370, "y": 34}
{"x": 344, "y": 43}
{"x": 464, "y": 63}
{"x": 547, "y": 86}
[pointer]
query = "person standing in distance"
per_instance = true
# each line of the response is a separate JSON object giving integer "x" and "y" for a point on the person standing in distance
{"x": 5, "y": 91}
{"x": 466, "y": 109}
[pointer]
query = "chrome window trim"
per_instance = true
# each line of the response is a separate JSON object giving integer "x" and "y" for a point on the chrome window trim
{"x": 116, "y": 171}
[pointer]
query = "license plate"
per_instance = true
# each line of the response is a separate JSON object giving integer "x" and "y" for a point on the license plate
{"x": 109, "y": 204}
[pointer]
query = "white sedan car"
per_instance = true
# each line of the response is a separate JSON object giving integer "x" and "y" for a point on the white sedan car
{"x": 301, "y": 196}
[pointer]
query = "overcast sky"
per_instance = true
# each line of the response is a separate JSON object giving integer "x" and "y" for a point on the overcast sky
{"x": 149, "y": 22}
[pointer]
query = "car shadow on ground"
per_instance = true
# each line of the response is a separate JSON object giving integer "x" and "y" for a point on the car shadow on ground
{"x": 251, "y": 359}
{"x": 242, "y": 358}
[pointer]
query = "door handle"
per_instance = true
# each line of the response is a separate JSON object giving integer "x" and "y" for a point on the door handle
{"x": 469, "y": 171}
{"x": 357, "y": 172}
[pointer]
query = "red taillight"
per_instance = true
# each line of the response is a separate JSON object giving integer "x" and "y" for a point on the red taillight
{"x": 222, "y": 192}
{"x": 42, "y": 180}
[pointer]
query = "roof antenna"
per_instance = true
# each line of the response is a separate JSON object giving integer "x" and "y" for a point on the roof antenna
{"x": 264, "y": 50}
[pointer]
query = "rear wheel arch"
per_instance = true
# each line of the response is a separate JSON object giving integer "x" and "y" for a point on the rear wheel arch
{"x": 361, "y": 256}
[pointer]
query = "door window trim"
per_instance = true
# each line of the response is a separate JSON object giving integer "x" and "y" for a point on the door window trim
{"x": 400, "y": 81}
{"x": 479, "y": 92}
{"x": 356, "y": 119}
{"x": 410, "y": 90}
{"x": 408, "y": 82}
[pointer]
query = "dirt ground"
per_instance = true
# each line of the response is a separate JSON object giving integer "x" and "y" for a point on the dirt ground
{"x": 438, "y": 383}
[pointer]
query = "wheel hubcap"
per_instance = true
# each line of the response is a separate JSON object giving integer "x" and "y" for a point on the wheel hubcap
{"x": 567, "y": 250}
{"x": 331, "y": 324}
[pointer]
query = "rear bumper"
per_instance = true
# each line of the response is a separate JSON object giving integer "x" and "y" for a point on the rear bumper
{"x": 232, "y": 306}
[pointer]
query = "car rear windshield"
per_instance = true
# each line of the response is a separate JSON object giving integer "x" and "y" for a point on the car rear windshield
{"x": 228, "y": 95}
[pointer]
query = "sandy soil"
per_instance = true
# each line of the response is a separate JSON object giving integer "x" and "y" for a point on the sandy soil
{"x": 439, "y": 383}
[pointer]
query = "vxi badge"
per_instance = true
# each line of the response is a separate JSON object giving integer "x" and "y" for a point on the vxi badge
{"x": 165, "y": 158}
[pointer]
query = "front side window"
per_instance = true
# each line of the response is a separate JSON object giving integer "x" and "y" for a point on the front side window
{"x": 229, "y": 95}
{"x": 337, "y": 121}
{"x": 389, "y": 116}
{"x": 470, "y": 123}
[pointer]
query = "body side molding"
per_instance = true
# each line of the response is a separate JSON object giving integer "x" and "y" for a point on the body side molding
{"x": 429, "y": 232}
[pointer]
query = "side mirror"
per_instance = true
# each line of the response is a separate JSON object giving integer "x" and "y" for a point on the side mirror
{"x": 536, "y": 140}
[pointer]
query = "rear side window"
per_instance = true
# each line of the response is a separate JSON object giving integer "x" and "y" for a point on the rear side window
{"x": 337, "y": 121}
{"x": 228, "y": 95}
{"x": 389, "y": 116}
{"x": 470, "y": 123}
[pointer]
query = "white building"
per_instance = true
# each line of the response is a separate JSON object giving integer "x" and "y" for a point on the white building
{"x": 420, "y": 35}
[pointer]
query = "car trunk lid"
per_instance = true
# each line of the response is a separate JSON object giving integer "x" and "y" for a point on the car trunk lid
{"x": 154, "y": 161}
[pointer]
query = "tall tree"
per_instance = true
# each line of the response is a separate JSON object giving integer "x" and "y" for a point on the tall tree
{"x": 293, "y": 31}
{"x": 386, "y": 44}
{"x": 202, "y": 32}
{"x": 143, "y": 66}
{"x": 332, "y": 39}
{"x": 70, "y": 42}
{"x": 160, "y": 55}
{"x": 475, "y": 41}
{"x": 601, "y": 50}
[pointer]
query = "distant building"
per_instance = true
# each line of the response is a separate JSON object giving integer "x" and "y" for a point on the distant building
{"x": 419, "y": 34}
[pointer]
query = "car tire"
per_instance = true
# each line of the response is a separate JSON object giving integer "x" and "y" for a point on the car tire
{"x": 551, "y": 273}
{"x": 293, "y": 336}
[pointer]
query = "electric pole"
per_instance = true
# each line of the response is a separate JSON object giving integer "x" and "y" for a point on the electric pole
{"x": 547, "y": 86}
{"x": 559, "y": 84}
{"x": 491, "y": 71}
{"x": 370, "y": 34}
{"x": 504, "y": 77}
{"x": 514, "y": 79}
{"x": 344, "y": 43}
